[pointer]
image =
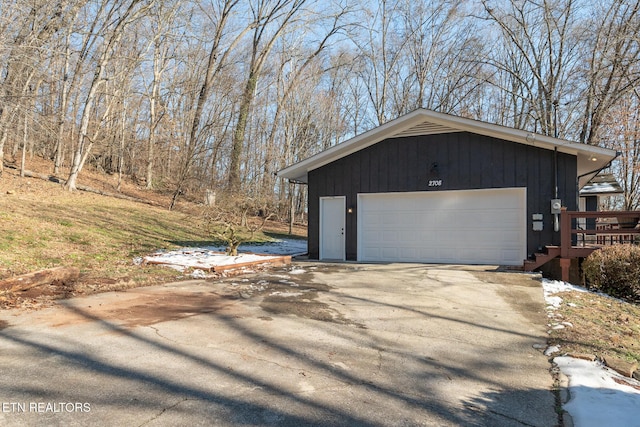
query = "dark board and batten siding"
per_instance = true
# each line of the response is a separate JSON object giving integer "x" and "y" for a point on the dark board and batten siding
{"x": 464, "y": 161}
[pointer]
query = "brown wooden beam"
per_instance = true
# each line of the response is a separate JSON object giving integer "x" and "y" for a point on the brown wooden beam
{"x": 565, "y": 264}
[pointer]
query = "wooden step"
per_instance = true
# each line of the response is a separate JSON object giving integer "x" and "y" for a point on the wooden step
{"x": 541, "y": 259}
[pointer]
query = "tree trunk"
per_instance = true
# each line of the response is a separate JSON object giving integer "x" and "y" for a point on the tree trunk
{"x": 234, "y": 182}
{"x": 111, "y": 40}
{"x": 292, "y": 208}
{"x": 25, "y": 138}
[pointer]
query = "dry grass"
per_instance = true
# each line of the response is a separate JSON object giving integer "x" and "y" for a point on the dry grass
{"x": 43, "y": 226}
{"x": 602, "y": 326}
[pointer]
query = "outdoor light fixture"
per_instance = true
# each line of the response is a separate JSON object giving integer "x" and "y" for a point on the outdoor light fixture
{"x": 350, "y": 210}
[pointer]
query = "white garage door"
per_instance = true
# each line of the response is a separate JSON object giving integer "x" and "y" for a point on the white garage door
{"x": 462, "y": 227}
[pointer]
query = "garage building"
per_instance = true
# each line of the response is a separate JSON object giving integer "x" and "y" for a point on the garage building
{"x": 435, "y": 188}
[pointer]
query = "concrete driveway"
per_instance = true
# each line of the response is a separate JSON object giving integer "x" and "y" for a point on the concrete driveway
{"x": 309, "y": 344}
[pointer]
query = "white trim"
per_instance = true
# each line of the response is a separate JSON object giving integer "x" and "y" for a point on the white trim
{"x": 320, "y": 237}
{"x": 521, "y": 194}
{"x": 422, "y": 119}
{"x": 359, "y": 226}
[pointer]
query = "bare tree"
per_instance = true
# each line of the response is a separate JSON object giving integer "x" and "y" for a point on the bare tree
{"x": 229, "y": 220}
{"x": 217, "y": 58}
{"x": 34, "y": 30}
{"x": 379, "y": 51}
{"x": 118, "y": 17}
{"x": 439, "y": 66}
{"x": 162, "y": 45}
{"x": 67, "y": 79}
{"x": 539, "y": 56}
{"x": 613, "y": 62}
{"x": 271, "y": 18}
{"x": 218, "y": 95}
{"x": 350, "y": 91}
{"x": 290, "y": 74}
{"x": 621, "y": 132}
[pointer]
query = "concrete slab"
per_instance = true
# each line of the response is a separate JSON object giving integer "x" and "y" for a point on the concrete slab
{"x": 305, "y": 344}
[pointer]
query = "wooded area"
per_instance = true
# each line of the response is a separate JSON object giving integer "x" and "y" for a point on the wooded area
{"x": 187, "y": 96}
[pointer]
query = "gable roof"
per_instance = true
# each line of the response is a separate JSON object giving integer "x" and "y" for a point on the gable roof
{"x": 603, "y": 184}
{"x": 426, "y": 122}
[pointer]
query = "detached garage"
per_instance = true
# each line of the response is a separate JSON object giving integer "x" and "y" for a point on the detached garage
{"x": 434, "y": 188}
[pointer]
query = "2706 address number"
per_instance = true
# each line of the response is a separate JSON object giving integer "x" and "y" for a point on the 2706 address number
{"x": 435, "y": 183}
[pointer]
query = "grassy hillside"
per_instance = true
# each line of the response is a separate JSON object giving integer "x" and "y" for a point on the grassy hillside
{"x": 43, "y": 226}
{"x": 600, "y": 325}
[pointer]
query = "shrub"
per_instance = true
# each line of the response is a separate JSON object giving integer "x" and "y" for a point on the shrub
{"x": 228, "y": 220}
{"x": 615, "y": 270}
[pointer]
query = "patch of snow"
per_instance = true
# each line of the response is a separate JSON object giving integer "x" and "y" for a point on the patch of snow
{"x": 209, "y": 257}
{"x": 198, "y": 274}
{"x": 287, "y": 294}
{"x": 201, "y": 259}
{"x": 555, "y": 286}
{"x": 552, "y": 349}
{"x": 596, "y": 398}
{"x": 291, "y": 247}
{"x": 554, "y": 302}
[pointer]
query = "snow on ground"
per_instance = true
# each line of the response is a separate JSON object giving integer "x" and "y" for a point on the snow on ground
{"x": 277, "y": 247}
{"x": 596, "y": 398}
{"x": 206, "y": 258}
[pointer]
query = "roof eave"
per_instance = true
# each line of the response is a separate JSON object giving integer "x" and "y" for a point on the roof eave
{"x": 298, "y": 171}
{"x": 590, "y": 158}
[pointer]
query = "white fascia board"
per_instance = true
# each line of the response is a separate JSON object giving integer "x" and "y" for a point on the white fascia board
{"x": 584, "y": 152}
{"x": 517, "y": 135}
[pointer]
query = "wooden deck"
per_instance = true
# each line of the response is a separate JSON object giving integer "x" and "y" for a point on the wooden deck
{"x": 580, "y": 241}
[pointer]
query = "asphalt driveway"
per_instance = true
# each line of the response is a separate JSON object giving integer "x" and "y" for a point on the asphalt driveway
{"x": 309, "y": 344}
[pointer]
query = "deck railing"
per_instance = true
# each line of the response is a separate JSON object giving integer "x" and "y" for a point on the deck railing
{"x": 578, "y": 240}
{"x": 581, "y": 234}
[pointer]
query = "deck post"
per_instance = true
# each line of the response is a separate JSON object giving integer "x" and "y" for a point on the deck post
{"x": 565, "y": 233}
{"x": 565, "y": 264}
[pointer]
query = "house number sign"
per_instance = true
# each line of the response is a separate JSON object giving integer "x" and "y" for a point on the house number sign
{"x": 435, "y": 183}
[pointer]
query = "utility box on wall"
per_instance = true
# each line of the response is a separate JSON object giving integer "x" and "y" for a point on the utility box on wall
{"x": 538, "y": 224}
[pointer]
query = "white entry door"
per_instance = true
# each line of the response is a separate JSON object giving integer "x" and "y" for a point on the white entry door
{"x": 332, "y": 222}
